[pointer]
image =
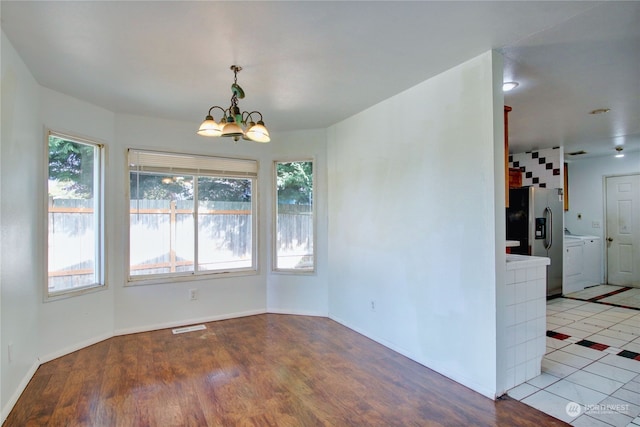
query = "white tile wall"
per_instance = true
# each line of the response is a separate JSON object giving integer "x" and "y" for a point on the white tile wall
{"x": 539, "y": 174}
{"x": 525, "y": 321}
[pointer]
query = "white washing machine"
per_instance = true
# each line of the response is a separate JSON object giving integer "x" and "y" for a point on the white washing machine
{"x": 582, "y": 262}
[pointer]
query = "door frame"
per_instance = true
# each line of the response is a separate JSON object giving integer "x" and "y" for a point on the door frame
{"x": 606, "y": 220}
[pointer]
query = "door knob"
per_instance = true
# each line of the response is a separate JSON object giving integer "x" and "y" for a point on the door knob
{"x": 609, "y": 239}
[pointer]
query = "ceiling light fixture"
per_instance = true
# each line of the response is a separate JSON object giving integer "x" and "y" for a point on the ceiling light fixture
{"x": 507, "y": 86}
{"x": 600, "y": 111}
{"x": 619, "y": 151}
{"x": 235, "y": 124}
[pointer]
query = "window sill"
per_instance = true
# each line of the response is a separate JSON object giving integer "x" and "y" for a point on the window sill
{"x": 74, "y": 293}
{"x": 157, "y": 280}
{"x": 294, "y": 272}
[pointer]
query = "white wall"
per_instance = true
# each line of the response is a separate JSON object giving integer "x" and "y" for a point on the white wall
{"x": 163, "y": 305}
{"x": 586, "y": 192}
{"x": 72, "y": 323}
{"x": 302, "y": 294}
{"x": 433, "y": 283}
{"x": 40, "y": 331}
{"x": 144, "y": 307}
{"x": 412, "y": 222}
{"x": 21, "y": 270}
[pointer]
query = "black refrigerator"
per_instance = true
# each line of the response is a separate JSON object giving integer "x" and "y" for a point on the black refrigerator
{"x": 535, "y": 220}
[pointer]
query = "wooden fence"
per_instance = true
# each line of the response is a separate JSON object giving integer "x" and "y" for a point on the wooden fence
{"x": 222, "y": 227}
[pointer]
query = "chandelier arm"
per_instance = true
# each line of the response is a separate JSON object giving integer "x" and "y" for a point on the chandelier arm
{"x": 222, "y": 109}
{"x": 249, "y": 115}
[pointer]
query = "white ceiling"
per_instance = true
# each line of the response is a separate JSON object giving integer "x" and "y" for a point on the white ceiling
{"x": 311, "y": 64}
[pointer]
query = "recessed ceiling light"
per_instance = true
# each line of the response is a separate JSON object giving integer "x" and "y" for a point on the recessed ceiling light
{"x": 619, "y": 151}
{"x": 507, "y": 86}
{"x": 600, "y": 111}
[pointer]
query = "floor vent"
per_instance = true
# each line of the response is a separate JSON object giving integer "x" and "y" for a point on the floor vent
{"x": 188, "y": 329}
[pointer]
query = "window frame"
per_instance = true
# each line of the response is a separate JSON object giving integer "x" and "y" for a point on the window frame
{"x": 100, "y": 157}
{"x": 189, "y": 276}
{"x": 274, "y": 225}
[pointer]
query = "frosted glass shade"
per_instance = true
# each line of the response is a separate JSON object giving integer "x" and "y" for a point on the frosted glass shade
{"x": 232, "y": 129}
{"x": 258, "y": 133}
{"x": 209, "y": 127}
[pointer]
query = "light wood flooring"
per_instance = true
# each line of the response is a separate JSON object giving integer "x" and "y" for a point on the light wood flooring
{"x": 265, "y": 370}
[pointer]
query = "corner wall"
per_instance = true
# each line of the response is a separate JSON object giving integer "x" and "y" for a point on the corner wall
{"x": 586, "y": 193}
{"x": 304, "y": 294}
{"x": 21, "y": 265}
{"x": 412, "y": 223}
{"x": 586, "y": 190}
{"x": 145, "y": 307}
{"x": 69, "y": 324}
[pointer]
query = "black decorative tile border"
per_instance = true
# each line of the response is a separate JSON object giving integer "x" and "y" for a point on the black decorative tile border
{"x": 594, "y": 345}
{"x": 557, "y": 335}
{"x": 597, "y": 299}
{"x": 630, "y": 354}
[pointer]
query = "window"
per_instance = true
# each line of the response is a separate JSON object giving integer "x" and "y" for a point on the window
{"x": 75, "y": 219}
{"x": 190, "y": 215}
{"x": 294, "y": 222}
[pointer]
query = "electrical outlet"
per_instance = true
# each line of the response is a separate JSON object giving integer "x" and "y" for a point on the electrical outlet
{"x": 193, "y": 294}
{"x": 595, "y": 224}
{"x": 373, "y": 305}
{"x": 10, "y": 352}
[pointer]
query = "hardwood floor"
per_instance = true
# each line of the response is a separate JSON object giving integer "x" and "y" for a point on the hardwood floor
{"x": 266, "y": 370}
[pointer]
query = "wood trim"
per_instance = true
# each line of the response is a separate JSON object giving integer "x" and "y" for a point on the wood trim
{"x": 507, "y": 110}
{"x": 566, "y": 187}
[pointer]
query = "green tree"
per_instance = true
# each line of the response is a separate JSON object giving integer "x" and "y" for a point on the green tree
{"x": 166, "y": 187}
{"x": 224, "y": 189}
{"x": 147, "y": 186}
{"x": 71, "y": 163}
{"x": 295, "y": 182}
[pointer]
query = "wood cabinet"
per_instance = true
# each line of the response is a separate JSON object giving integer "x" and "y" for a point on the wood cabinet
{"x": 515, "y": 178}
{"x": 566, "y": 187}
{"x": 507, "y": 109}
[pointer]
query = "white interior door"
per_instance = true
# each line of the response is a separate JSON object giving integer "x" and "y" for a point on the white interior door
{"x": 623, "y": 230}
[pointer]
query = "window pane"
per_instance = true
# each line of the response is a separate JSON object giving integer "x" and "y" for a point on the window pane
{"x": 224, "y": 223}
{"x": 74, "y": 234}
{"x": 161, "y": 230}
{"x": 294, "y": 219}
{"x": 190, "y": 214}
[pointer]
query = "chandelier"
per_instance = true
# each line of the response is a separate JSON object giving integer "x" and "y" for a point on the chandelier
{"x": 235, "y": 124}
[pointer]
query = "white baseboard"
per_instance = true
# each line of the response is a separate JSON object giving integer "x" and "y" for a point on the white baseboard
{"x": 434, "y": 366}
{"x": 16, "y": 394}
{"x": 75, "y": 347}
{"x": 186, "y": 322}
{"x": 297, "y": 312}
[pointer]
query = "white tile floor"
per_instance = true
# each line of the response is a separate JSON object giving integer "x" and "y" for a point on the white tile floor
{"x": 581, "y": 385}
{"x": 629, "y": 298}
